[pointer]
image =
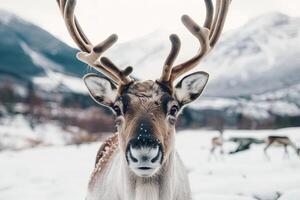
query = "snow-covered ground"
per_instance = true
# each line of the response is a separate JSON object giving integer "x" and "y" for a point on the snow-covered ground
{"x": 17, "y": 134}
{"x": 61, "y": 173}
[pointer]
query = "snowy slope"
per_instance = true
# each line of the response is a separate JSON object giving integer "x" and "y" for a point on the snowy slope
{"x": 16, "y": 133}
{"x": 60, "y": 173}
{"x": 258, "y": 57}
{"x": 283, "y": 102}
{"x": 261, "y": 56}
{"x": 28, "y": 52}
{"x": 256, "y": 69}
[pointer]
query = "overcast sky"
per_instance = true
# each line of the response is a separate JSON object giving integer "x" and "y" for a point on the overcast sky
{"x": 135, "y": 18}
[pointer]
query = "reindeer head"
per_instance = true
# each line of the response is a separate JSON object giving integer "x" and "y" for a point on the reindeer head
{"x": 146, "y": 111}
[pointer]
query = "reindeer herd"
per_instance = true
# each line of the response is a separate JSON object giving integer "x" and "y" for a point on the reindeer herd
{"x": 245, "y": 143}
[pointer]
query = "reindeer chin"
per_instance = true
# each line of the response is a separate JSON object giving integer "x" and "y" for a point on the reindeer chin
{"x": 145, "y": 172}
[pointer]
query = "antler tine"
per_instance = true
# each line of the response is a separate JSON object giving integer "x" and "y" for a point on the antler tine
{"x": 215, "y": 17}
{"x": 71, "y": 26}
{"x": 106, "y": 44}
{"x": 62, "y": 4}
{"x": 92, "y": 58}
{"x": 106, "y": 66}
{"x": 220, "y": 21}
{"x": 202, "y": 34}
{"x": 175, "y": 41}
{"x": 81, "y": 33}
{"x": 121, "y": 74}
{"x": 209, "y": 14}
{"x": 91, "y": 54}
{"x": 207, "y": 35}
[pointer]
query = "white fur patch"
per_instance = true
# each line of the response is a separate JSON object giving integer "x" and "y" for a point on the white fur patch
{"x": 100, "y": 89}
{"x": 150, "y": 153}
{"x": 147, "y": 191}
{"x": 117, "y": 182}
{"x": 190, "y": 87}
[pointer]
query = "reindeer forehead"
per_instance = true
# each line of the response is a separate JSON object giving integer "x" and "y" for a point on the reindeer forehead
{"x": 145, "y": 97}
{"x": 146, "y": 90}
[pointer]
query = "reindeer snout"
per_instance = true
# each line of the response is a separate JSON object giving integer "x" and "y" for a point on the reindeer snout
{"x": 144, "y": 149}
{"x": 144, "y": 155}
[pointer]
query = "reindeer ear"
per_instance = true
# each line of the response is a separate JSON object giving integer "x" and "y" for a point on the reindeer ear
{"x": 190, "y": 87}
{"x": 102, "y": 90}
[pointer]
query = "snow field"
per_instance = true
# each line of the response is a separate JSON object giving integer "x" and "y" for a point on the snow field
{"x": 60, "y": 173}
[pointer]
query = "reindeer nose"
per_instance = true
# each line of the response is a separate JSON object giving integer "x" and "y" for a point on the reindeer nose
{"x": 144, "y": 141}
{"x": 144, "y": 151}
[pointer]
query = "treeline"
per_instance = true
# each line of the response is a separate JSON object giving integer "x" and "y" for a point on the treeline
{"x": 68, "y": 110}
{"x": 213, "y": 118}
{"x": 77, "y": 110}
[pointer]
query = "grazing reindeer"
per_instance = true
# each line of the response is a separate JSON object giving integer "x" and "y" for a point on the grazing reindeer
{"x": 217, "y": 142}
{"x": 140, "y": 161}
{"x": 281, "y": 140}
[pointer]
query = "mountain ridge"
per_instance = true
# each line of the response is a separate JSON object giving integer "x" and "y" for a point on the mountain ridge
{"x": 28, "y": 51}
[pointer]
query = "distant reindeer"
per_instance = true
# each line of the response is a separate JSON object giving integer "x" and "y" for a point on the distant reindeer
{"x": 217, "y": 142}
{"x": 283, "y": 141}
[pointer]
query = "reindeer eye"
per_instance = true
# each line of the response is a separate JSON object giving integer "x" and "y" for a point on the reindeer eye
{"x": 173, "y": 110}
{"x": 117, "y": 110}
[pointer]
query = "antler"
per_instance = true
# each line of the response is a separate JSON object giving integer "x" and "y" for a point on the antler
{"x": 91, "y": 54}
{"x": 207, "y": 36}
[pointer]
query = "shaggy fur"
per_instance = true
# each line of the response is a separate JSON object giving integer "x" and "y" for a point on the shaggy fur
{"x": 142, "y": 106}
{"x": 170, "y": 183}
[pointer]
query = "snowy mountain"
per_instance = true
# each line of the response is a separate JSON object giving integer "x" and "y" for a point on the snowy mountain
{"x": 254, "y": 70}
{"x": 30, "y": 54}
{"x": 264, "y": 51}
{"x": 259, "y": 57}
{"x": 258, "y": 65}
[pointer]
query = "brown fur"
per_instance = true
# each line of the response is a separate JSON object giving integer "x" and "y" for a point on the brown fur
{"x": 145, "y": 102}
{"x": 217, "y": 141}
{"x": 280, "y": 140}
{"x": 105, "y": 152}
{"x": 108, "y": 143}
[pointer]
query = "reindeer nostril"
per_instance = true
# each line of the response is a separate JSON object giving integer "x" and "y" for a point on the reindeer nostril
{"x": 153, "y": 160}
{"x": 132, "y": 157}
{"x": 144, "y": 158}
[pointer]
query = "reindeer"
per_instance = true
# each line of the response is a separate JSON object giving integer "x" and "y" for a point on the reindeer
{"x": 217, "y": 142}
{"x": 140, "y": 160}
{"x": 283, "y": 141}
